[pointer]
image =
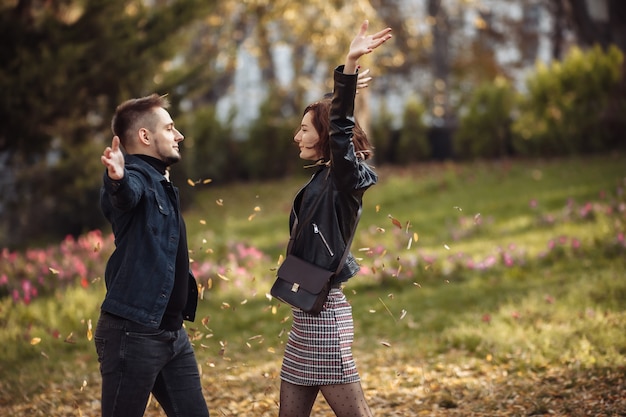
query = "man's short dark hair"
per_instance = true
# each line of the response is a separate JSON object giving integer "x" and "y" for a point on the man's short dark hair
{"x": 134, "y": 111}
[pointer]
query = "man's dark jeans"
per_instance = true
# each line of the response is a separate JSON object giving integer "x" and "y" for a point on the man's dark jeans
{"x": 136, "y": 360}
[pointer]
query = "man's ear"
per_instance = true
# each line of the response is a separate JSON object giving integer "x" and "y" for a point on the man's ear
{"x": 142, "y": 135}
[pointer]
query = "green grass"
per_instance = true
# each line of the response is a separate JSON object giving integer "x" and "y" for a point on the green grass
{"x": 562, "y": 311}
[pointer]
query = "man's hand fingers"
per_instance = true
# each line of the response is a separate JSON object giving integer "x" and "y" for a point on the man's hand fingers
{"x": 115, "y": 145}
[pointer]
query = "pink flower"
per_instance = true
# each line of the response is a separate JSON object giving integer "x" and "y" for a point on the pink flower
{"x": 508, "y": 260}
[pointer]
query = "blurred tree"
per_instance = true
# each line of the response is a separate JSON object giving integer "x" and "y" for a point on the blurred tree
{"x": 565, "y": 109}
{"x": 66, "y": 64}
{"x": 485, "y": 127}
{"x": 603, "y": 22}
{"x": 413, "y": 143}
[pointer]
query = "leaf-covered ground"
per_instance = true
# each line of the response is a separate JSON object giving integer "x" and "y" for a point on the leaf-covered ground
{"x": 445, "y": 386}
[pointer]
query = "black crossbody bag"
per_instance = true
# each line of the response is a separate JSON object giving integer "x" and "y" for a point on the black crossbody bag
{"x": 302, "y": 284}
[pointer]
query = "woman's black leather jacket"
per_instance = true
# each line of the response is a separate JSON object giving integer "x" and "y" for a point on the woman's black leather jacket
{"x": 327, "y": 206}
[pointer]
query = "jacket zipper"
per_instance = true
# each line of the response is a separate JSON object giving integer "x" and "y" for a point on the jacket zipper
{"x": 317, "y": 231}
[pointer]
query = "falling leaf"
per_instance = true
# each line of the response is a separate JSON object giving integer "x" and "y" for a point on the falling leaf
{"x": 387, "y": 308}
{"x": 35, "y": 341}
{"x": 380, "y": 229}
{"x": 408, "y": 246}
{"x": 219, "y": 202}
{"x": 190, "y": 182}
{"x": 89, "y": 333}
{"x": 377, "y": 208}
{"x": 223, "y": 277}
{"x": 363, "y": 249}
{"x": 201, "y": 291}
{"x": 458, "y": 208}
{"x": 477, "y": 218}
{"x": 395, "y": 221}
{"x": 397, "y": 274}
{"x": 203, "y": 222}
{"x": 386, "y": 344}
{"x": 417, "y": 284}
{"x": 250, "y": 217}
{"x": 408, "y": 226}
{"x": 446, "y": 246}
{"x": 206, "y": 181}
{"x": 403, "y": 314}
{"x": 54, "y": 271}
{"x": 415, "y": 237}
{"x": 257, "y": 209}
{"x": 70, "y": 338}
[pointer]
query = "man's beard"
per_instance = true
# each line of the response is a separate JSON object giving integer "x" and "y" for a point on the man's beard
{"x": 171, "y": 160}
{"x": 167, "y": 159}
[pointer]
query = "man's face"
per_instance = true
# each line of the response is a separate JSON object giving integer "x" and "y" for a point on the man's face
{"x": 165, "y": 138}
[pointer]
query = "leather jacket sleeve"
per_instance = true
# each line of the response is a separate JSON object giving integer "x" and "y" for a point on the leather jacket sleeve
{"x": 349, "y": 173}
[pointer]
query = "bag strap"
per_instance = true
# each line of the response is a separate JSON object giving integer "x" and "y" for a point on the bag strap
{"x": 348, "y": 243}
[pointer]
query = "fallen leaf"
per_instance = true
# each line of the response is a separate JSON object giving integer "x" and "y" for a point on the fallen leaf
{"x": 395, "y": 221}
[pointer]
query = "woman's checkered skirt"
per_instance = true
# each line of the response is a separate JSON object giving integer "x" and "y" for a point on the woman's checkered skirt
{"x": 319, "y": 348}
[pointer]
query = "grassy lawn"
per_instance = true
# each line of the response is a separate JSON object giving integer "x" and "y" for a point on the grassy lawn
{"x": 490, "y": 288}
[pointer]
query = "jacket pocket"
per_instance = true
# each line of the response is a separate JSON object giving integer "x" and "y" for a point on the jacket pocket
{"x": 161, "y": 205}
{"x": 318, "y": 232}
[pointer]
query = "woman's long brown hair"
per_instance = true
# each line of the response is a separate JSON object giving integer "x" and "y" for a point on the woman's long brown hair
{"x": 321, "y": 121}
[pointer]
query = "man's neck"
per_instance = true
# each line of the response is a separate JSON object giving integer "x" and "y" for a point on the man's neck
{"x": 154, "y": 162}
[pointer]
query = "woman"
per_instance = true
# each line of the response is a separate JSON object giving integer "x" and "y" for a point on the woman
{"x": 318, "y": 354}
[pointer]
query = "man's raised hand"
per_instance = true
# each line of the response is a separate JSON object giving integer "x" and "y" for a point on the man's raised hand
{"x": 113, "y": 159}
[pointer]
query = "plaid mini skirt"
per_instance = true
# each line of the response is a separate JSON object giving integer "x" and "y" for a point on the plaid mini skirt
{"x": 319, "y": 348}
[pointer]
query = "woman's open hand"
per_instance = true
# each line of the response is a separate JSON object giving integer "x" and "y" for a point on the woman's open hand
{"x": 364, "y": 44}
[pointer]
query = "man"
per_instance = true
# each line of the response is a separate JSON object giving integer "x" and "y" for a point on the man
{"x": 141, "y": 344}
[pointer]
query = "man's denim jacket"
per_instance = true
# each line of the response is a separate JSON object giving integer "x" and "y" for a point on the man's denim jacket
{"x": 140, "y": 273}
